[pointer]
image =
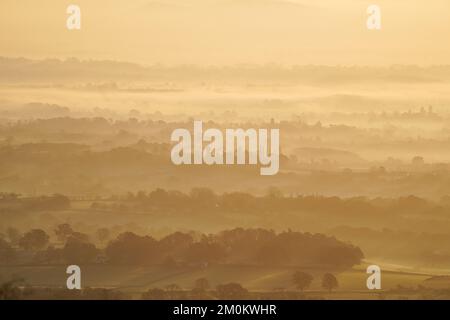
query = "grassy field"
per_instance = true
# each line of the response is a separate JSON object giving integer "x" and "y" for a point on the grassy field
{"x": 352, "y": 283}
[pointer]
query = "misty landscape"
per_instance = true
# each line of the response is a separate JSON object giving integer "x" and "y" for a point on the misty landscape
{"x": 87, "y": 178}
{"x": 93, "y": 185}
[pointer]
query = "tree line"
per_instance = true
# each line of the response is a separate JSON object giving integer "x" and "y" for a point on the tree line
{"x": 237, "y": 246}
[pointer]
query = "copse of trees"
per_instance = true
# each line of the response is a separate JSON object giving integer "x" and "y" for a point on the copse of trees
{"x": 237, "y": 246}
{"x": 35, "y": 239}
{"x": 79, "y": 251}
{"x": 129, "y": 248}
{"x": 72, "y": 247}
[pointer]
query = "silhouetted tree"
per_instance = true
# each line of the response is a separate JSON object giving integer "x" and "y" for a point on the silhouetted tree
{"x": 329, "y": 282}
{"x": 129, "y": 248}
{"x": 35, "y": 239}
{"x": 302, "y": 280}
{"x": 77, "y": 251}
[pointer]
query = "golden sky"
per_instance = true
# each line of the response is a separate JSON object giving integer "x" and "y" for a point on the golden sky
{"x": 230, "y": 31}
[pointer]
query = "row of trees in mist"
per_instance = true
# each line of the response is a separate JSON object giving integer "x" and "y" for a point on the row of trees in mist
{"x": 13, "y": 202}
{"x": 68, "y": 129}
{"x": 21, "y": 69}
{"x": 237, "y": 246}
{"x": 204, "y": 199}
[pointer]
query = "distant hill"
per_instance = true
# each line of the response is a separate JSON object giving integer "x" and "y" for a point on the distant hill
{"x": 73, "y": 69}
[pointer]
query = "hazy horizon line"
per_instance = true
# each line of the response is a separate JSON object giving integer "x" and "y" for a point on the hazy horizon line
{"x": 242, "y": 64}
